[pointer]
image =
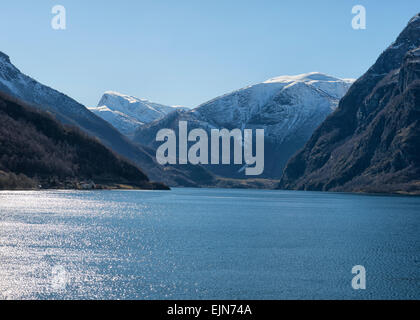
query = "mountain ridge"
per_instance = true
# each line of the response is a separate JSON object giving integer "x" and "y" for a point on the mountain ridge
{"x": 288, "y": 108}
{"x": 68, "y": 111}
{"x": 127, "y": 113}
{"x": 369, "y": 143}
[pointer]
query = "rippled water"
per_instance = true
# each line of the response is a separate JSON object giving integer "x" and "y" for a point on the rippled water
{"x": 207, "y": 244}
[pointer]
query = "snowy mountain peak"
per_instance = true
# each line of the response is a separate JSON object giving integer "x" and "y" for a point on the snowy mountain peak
{"x": 306, "y": 77}
{"x": 300, "y": 95}
{"x": 127, "y": 113}
{"x": 126, "y": 97}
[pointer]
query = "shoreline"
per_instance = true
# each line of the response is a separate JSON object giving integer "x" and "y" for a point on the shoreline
{"x": 123, "y": 187}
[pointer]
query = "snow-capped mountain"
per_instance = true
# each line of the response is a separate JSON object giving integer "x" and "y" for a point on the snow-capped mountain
{"x": 284, "y": 106}
{"x": 288, "y": 108}
{"x": 127, "y": 113}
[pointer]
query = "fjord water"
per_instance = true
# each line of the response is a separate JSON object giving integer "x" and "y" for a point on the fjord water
{"x": 207, "y": 244}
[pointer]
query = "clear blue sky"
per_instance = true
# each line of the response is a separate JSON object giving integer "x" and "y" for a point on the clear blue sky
{"x": 186, "y": 52}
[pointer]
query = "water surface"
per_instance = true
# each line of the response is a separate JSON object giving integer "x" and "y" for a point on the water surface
{"x": 207, "y": 244}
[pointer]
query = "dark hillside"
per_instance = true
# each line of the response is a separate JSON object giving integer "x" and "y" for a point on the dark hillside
{"x": 371, "y": 142}
{"x": 35, "y": 149}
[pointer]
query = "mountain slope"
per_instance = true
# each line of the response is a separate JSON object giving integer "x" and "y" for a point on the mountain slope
{"x": 36, "y": 149}
{"x": 288, "y": 108}
{"x": 69, "y": 111}
{"x": 370, "y": 143}
{"x": 127, "y": 113}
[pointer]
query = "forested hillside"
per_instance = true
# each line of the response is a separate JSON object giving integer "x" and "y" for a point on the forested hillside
{"x": 37, "y": 151}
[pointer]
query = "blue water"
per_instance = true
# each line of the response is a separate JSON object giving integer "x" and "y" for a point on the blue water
{"x": 207, "y": 244}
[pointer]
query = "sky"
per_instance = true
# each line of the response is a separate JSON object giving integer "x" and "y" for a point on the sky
{"x": 180, "y": 52}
